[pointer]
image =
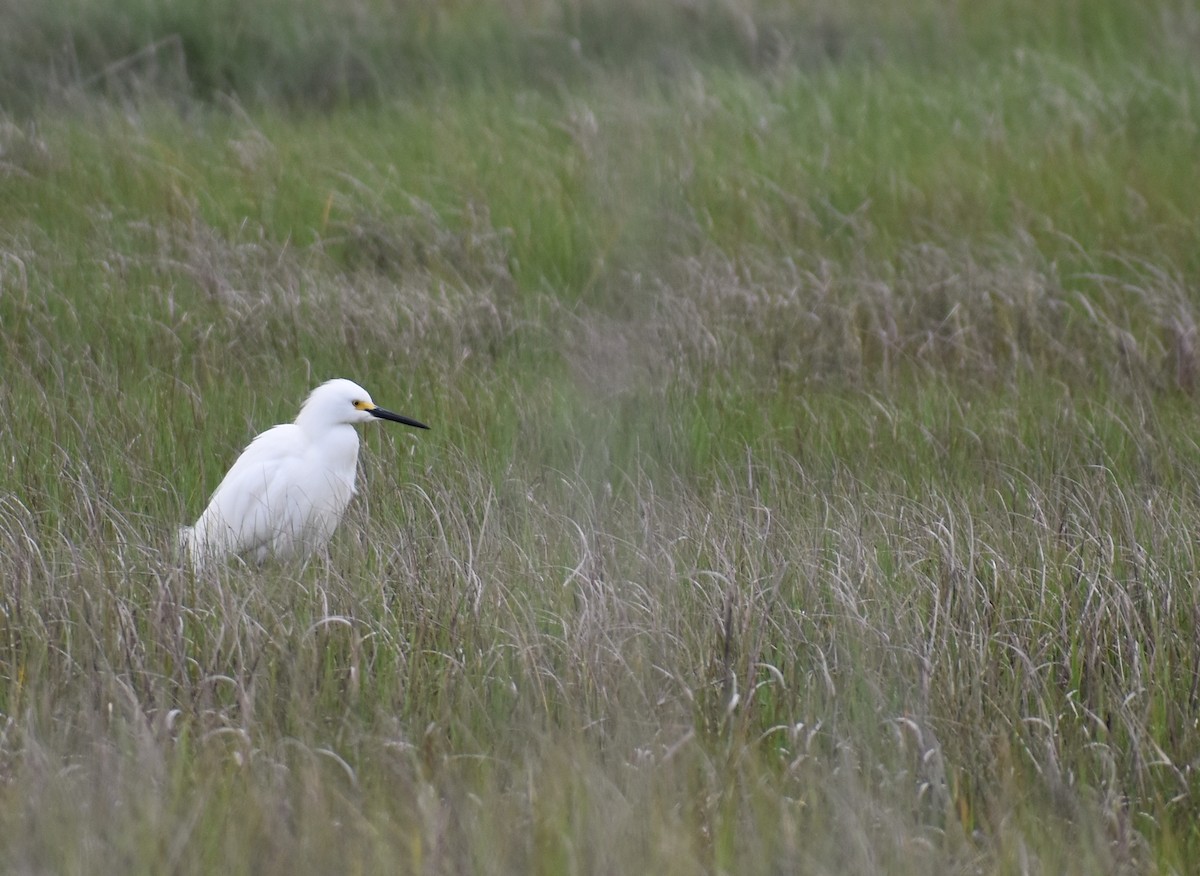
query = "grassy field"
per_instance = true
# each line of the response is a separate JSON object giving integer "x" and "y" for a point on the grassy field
{"x": 813, "y": 484}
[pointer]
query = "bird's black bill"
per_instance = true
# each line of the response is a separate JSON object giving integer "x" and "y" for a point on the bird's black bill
{"x": 397, "y": 418}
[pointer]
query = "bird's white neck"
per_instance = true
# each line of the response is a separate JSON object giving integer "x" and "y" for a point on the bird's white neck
{"x": 338, "y": 444}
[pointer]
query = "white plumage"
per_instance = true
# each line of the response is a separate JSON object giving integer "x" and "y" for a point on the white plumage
{"x": 286, "y": 493}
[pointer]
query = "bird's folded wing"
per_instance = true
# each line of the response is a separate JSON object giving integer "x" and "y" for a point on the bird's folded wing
{"x": 251, "y": 504}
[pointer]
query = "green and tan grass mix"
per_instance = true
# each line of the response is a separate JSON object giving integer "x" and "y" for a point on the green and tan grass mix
{"x": 813, "y": 484}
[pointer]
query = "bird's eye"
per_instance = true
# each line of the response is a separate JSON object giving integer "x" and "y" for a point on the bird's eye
{"x": 359, "y": 404}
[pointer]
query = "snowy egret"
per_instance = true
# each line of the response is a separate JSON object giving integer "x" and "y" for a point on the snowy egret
{"x": 287, "y": 491}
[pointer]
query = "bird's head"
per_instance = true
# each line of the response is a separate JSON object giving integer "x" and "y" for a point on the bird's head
{"x": 343, "y": 401}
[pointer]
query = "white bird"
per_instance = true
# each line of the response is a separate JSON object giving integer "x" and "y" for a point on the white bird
{"x": 288, "y": 490}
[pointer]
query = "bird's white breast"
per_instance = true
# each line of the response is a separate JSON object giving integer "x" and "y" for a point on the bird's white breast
{"x": 336, "y": 454}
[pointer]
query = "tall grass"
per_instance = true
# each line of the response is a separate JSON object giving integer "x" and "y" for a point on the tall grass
{"x": 811, "y": 486}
